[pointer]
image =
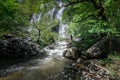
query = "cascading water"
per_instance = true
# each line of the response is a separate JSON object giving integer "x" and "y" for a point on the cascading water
{"x": 62, "y": 26}
{"x": 42, "y": 69}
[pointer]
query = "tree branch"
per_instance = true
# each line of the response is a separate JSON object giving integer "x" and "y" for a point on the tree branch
{"x": 74, "y": 2}
{"x": 85, "y": 18}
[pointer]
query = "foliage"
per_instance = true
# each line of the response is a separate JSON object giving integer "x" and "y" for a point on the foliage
{"x": 11, "y": 16}
{"x": 35, "y": 6}
{"x": 84, "y": 19}
{"x": 88, "y": 17}
{"x": 44, "y": 27}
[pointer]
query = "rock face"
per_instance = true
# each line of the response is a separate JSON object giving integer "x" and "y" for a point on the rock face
{"x": 98, "y": 50}
{"x": 87, "y": 70}
{"x": 11, "y": 47}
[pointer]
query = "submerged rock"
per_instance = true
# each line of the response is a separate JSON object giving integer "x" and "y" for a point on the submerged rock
{"x": 13, "y": 47}
{"x": 87, "y": 70}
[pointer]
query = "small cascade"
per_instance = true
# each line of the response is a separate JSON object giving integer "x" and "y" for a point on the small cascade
{"x": 57, "y": 50}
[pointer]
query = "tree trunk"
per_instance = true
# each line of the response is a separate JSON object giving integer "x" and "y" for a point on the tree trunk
{"x": 39, "y": 36}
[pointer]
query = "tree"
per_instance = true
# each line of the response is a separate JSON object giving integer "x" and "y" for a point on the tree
{"x": 43, "y": 23}
{"x": 44, "y": 27}
{"x": 11, "y": 16}
{"x": 94, "y": 15}
{"x": 93, "y": 18}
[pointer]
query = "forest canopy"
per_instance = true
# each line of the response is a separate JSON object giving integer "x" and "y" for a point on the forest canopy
{"x": 93, "y": 16}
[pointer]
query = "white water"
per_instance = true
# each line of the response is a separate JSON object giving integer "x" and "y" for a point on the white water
{"x": 52, "y": 12}
{"x": 62, "y": 26}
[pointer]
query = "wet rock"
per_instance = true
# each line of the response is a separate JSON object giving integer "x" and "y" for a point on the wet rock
{"x": 7, "y": 36}
{"x": 52, "y": 46}
{"x": 88, "y": 70}
{"x": 14, "y": 47}
{"x": 98, "y": 50}
{"x": 80, "y": 60}
{"x": 71, "y": 53}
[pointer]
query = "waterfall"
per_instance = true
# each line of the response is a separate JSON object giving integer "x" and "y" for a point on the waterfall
{"x": 62, "y": 26}
{"x": 54, "y": 13}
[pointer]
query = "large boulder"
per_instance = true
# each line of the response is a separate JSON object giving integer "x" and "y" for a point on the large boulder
{"x": 13, "y": 47}
{"x": 98, "y": 50}
{"x": 87, "y": 70}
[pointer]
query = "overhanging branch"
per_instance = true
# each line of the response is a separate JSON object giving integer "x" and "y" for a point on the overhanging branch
{"x": 73, "y": 2}
{"x": 85, "y": 18}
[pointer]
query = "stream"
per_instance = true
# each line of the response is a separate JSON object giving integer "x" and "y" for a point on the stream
{"x": 40, "y": 68}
